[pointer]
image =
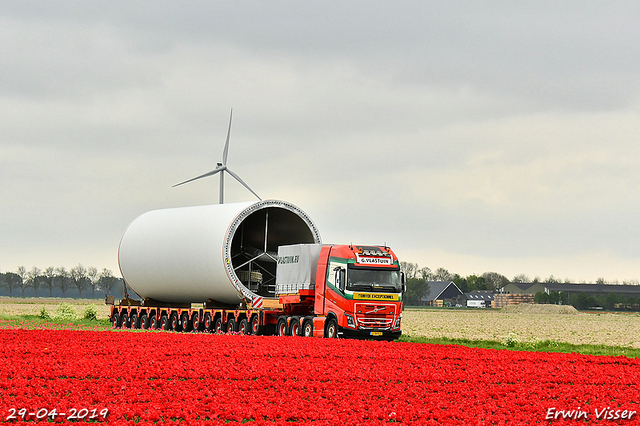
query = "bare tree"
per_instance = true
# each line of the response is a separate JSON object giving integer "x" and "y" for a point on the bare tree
{"x": 107, "y": 280}
{"x": 22, "y": 273}
{"x": 63, "y": 279}
{"x": 94, "y": 279}
{"x": 494, "y": 280}
{"x": 79, "y": 277}
{"x": 522, "y": 278}
{"x": 47, "y": 279}
{"x": 11, "y": 281}
{"x": 34, "y": 279}
{"x": 425, "y": 273}
{"x": 410, "y": 269}
{"x": 442, "y": 274}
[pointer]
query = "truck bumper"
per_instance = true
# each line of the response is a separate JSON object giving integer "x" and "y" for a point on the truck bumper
{"x": 349, "y": 333}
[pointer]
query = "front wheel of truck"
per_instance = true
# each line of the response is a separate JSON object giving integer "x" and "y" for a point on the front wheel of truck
{"x": 331, "y": 329}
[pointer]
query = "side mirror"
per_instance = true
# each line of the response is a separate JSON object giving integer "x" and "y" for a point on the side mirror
{"x": 403, "y": 280}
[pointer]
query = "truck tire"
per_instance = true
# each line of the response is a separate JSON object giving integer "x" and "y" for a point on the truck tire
{"x": 231, "y": 325}
{"x": 196, "y": 325}
{"x": 307, "y": 327}
{"x": 134, "y": 320}
{"x": 164, "y": 322}
{"x": 256, "y": 329}
{"x": 115, "y": 320}
{"x": 174, "y": 322}
{"x": 184, "y": 322}
{"x": 144, "y": 321}
{"x": 124, "y": 320}
{"x": 243, "y": 327}
{"x": 294, "y": 327}
{"x": 153, "y": 322}
{"x": 282, "y": 328}
{"x": 217, "y": 326}
{"x": 331, "y": 329}
{"x": 208, "y": 322}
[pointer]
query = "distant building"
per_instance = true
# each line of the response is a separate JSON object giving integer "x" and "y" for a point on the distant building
{"x": 477, "y": 299}
{"x": 569, "y": 289}
{"x": 442, "y": 293}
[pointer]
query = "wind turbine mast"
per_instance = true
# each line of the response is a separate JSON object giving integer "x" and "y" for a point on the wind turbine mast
{"x": 221, "y": 168}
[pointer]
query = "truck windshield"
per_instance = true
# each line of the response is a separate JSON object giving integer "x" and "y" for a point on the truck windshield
{"x": 381, "y": 280}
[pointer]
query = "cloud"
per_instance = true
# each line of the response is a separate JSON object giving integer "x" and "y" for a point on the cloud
{"x": 501, "y": 135}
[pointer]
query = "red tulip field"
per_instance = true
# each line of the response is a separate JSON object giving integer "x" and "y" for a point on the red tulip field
{"x": 124, "y": 377}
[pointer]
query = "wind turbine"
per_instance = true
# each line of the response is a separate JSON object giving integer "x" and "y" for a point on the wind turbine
{"x": 221, "y": 168}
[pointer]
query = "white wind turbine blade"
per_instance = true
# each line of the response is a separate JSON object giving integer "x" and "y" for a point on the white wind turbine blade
{"x": 226, "y": 145}
{"x": 211, "y": 173}
{"x": 242, "y": 182}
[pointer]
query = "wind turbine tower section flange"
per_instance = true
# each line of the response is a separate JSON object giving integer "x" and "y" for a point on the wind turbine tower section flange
{"x": 200, "y": 253}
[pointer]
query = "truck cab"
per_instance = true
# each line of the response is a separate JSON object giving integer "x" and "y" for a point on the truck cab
{"x": 358, "y": 292}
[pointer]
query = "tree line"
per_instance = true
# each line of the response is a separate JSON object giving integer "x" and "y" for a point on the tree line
{"x": 75, "y": 282}
{"x": 418, "y": 286}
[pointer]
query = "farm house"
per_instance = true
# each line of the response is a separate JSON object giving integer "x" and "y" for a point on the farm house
{"x": 442, "y": 293}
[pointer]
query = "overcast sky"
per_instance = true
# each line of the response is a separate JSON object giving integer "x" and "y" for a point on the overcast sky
{"x": 474, "y": 136}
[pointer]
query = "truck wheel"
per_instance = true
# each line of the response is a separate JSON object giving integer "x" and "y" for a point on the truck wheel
{"x": 184, "y": 319}
{"x": 208, "y": 322}
{"x": 282, "y": 329}
{"x": 144, "y": 321}
{"x": 217, "y": 326}
{"x": 164, "y": 322}
{"x": 256, "y": 330}
{"x": 331, "y": 329}
{"x": 124, "y": 320}
{"x": 134, "y": 320}
{"x": 294, "y": 327}
{"x": 231, "y": 325}
{"x": 195, "y": 322}
{"x": 243, "y": 327}
{"x": 307, "y": 327}
{"x": 174, "y": 322}
{"x": 153, "y": 322}
{"x": 115, "y": 320}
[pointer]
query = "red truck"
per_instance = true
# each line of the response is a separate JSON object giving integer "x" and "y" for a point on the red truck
{"x": 320, "y": 290}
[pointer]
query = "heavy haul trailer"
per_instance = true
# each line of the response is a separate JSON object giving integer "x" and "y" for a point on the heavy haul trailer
{"x": 266, "y": 272}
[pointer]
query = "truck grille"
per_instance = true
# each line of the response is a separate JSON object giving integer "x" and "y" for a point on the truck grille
{"x": 370, "y": 315}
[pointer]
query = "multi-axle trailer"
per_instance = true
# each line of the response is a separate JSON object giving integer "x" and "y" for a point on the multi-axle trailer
{"x": 254, "y": 268}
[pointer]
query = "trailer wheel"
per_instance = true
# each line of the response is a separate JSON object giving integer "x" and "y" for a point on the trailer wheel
{"x": 256, "y": 330}
{"x": 153, "y": 322}
{"x": 144, "y": 321}
{"x": 282, "y": 328}
{"x": 243, "y": 327}
{"x": 231, "y": 325}
{"x": 184, "y": 319}
{"x": 217, "y": 326}
{"x": 208, "y": 322}
{"x": 164, "y": 322}
{"x": 331, "y": 329}
{"x": 134, "y": 320}
{"x": 115, "y": 320}
{"x": 294, "y": 327}
{"x": 195, "y": 322}
{"x": 307, "y": 327}
{"x": 124, "y": 320}
{"x": 174, "y": 322}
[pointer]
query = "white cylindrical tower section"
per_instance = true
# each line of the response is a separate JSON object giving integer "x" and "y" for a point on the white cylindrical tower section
{"x": 223, "y": 252}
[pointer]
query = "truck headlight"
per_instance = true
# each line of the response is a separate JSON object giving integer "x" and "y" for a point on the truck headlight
{"x": 350, "y": 322}
{"x": 397, "y": 323}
